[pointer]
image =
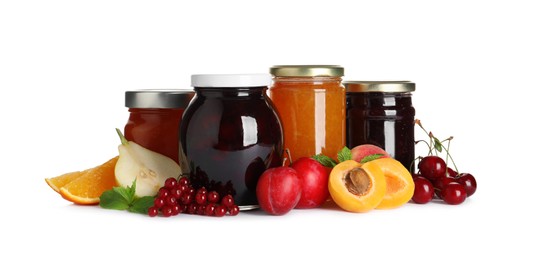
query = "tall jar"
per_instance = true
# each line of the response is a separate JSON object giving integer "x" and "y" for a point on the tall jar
{"x": 231, "y": 134}
{"x": 382, "y": 113}
{"x": 310, "y": 100}
{"x": 154, "y": 119}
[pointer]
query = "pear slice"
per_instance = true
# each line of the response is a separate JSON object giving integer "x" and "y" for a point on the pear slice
{"x": 149, "y": 168}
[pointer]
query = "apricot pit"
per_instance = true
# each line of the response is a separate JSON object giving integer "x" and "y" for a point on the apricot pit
{"x": 357, "y": 187}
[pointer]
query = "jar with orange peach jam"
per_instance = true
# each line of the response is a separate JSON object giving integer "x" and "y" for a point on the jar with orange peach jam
{"x": 310, "y": 100}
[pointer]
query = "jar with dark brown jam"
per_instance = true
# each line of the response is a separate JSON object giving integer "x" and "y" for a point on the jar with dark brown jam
{"x": 381, "y": 113}
{"x": 231, "y": 134}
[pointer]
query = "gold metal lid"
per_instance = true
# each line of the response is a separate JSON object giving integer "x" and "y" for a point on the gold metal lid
{"x": 307, "y": 71}
{"x": 379, "y": 86}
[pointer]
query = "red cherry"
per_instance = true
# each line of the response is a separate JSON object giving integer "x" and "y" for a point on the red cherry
{"x": 468, "y": 181}
{"x": 423, "y": 190}
{"x": 451, "y": 172}
{"x": 440, "y": 183}
{"x": 454, "y": 193}
{"x": 432, "y": 167}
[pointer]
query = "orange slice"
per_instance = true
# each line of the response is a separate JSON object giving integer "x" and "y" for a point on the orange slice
{"x": 88, "y": 187}
{"x": 56, "y": 183}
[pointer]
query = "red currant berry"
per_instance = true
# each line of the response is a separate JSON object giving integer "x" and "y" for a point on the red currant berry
{"x": 213, "y": 197}
{"x": 184, "y": 181}
{"x": 220, "y": 211}
{"x": 454, "y": 193}
{"x": 186, "y": 199}
{"x": 210, "y": 209}
{"x": 227, "y": 201}
{"x": 153, "y": 211}
{"x": 201, "y": 198}
{"x": 158, "y": 202}
{"x": 170, "y": 201}
{"x": 469, "y": 183}
{"x": 175, "y": 192}
{"x": 176, "y": 209}
{"x": 163, "y": 192}
{"x": 432, "y": 167}
{"x": 423, "y": 190}
{"x": 234, "y": 210}
{"x": 167, "y": 211}
{"x": 192, "y": 208}
{"x": 183, "y": 188}
{"x": 200, "y": 210}
{"x": 170, "y": 183}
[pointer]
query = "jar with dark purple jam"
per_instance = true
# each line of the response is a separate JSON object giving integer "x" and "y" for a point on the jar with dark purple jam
{"x": 230, "y": 134}
{"x": 381, "y": 113}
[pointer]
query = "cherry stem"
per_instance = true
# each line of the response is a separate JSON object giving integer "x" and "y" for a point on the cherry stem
{"x": 430, "y": 134}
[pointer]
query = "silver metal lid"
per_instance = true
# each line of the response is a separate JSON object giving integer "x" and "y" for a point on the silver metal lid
{"x": 379, "y": 86}
{"x": 158, "y": 98}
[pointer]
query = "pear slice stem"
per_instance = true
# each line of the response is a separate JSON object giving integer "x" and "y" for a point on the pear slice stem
{"x": 122, "y": 138}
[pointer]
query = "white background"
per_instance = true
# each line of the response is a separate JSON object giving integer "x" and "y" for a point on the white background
{"x": 65, "y": 65}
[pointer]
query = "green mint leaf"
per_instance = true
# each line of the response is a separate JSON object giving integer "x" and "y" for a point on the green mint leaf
{"x": 111, "y": 199}
{"x": 141, "y": 205}
{"x": 324, "y": 160}
{"x": 371, "y": 157}
{"x": 344, "y": 154}
{"x": 125, "y": 193}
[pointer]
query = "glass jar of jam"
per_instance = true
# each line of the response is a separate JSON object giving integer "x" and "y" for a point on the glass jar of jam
{"x": 231, "y": 134}
{"x": 310, "y": 100}
{"x": 154, "y": 119}
{"x": 381, "y": 113}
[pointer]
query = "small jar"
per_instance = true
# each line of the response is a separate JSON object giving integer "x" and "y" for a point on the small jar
{"x": 310, "y": 100}
{"x": 381, "y": 113}
{"x": 231, "y": 134}
{"x": 154, "y": 119}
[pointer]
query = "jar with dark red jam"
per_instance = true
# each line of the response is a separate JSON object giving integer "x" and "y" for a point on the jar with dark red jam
{"x": 231, "y": 134}
{"x": 154, "y": 119}
{"x": 381, "y": 113}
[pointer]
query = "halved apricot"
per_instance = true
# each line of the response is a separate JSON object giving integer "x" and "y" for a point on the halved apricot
{"x": 400, "y": 185}
{"x": 355, "y": 187}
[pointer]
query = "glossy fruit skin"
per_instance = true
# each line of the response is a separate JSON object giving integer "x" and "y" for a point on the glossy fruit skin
{"x": 360, "y": 151}
{"x": 314, "y": 179}
{"x": 454, "y": 193}
{"x": 423, "y": 190}
{"x": 432, "y": 167}
{"x": 468, "y": 181}
{"x": 278, "y": 190}
{"x": 440, "y": 183}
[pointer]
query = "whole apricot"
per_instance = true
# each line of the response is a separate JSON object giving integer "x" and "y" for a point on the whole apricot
{"x": 357, "y": 187}
{"x": 278, "y": 190}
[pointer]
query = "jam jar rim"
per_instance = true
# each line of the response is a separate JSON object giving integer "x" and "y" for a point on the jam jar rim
{"x": 379, "y": 86}
{"x": 158, "y": 98}
{"x": 307, "y": 71}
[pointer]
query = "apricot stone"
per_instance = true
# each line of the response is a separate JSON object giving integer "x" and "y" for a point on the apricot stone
{"x": 360, "y": 151}
{"x": 357, "y": 187}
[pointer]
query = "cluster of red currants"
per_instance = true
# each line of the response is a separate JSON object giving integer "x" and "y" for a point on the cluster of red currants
{"x": 436, "y": 178}
{"x": 179, "y": 196}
